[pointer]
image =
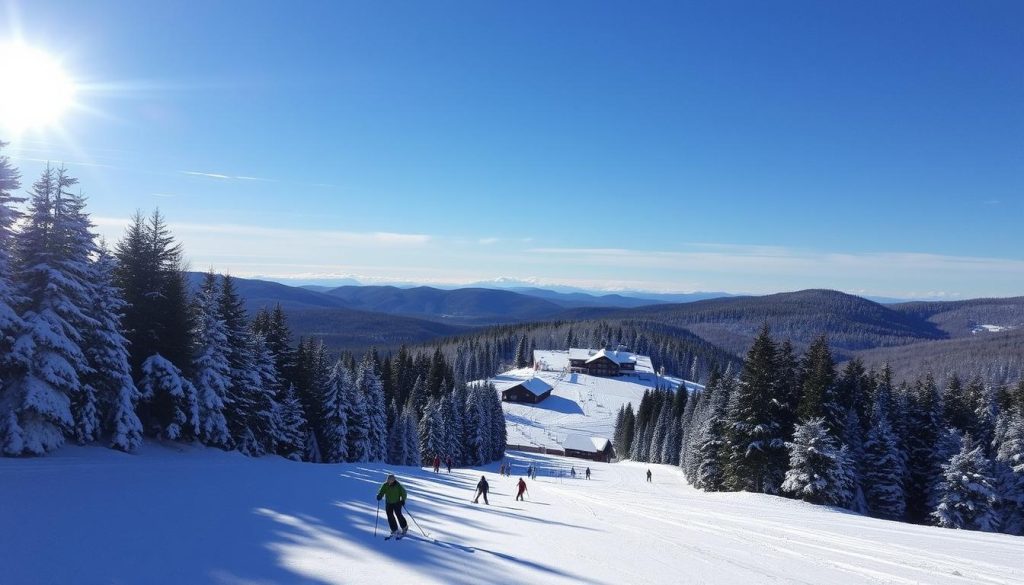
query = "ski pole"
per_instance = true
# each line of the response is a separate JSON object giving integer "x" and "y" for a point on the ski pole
{"x": 375, "y": 522}
{"x": 414, "y": 521}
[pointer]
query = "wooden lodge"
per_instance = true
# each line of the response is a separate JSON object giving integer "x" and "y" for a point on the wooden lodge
{"x": 529, "y": 391}
{"x": 604, "y": 362}
{"x": 592, "y": 448}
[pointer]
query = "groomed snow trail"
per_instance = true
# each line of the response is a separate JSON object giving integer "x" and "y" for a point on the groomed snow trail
{"x": 94, "y": 516}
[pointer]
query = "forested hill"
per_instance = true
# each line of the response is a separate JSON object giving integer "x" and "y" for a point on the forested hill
{"x": 467, "y": 306}
{"x": 967, "y": 318}
{"x": 851, "y": 322}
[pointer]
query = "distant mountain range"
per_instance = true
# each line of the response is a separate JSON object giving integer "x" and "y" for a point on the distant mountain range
{"x": 355, "y": 317}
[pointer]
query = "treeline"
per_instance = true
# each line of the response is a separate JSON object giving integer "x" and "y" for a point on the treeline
{"x": 100, "y": 345}
{"x": 797, "y": 427}
{"x": 483, "y": 354}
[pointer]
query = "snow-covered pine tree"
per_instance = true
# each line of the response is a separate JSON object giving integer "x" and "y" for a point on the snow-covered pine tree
{"x": 149, "y": 273}
{"x": 264, "y": 417}
{"x": 106, "y": 350}
{"x": 477, "y": 436}
{"x": 431, "y": 431}
{"x": 52, "y": 266}
{"x": 412, "y": 441}
{"x": 661, "y": 431}
{"x": 883, "y": 468}
{"x": 359, "y": 449}
{"x": 498, "y": 436}
{"x": 968, "y": 496}
{"x": 418, "y": 396}
{"x": 369, "y": 384}
{"x": 293, "y": 433}
{"x": 458, "y": 399}
{"x": 334, "y": 429}
{"x": 757, "y": 458}
{"x": 396, "y": 436}
{"x": 171, "y": 400}
{"x": 244, "y": 384}
{"x": 211, "y": 370}
{"x": 1010, "y": 470}
{"x": 520, "y": 360}
{"x": 10, "y": 322}
{"x": 923, "y": 466}
{"x": 819, "y": 389}
{"x": 711, "y": 448}
{"x": 819, "y": 468}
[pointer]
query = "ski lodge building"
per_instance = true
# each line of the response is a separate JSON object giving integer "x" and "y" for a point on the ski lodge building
{"x": 532, "y": 390}
{"x": 595, "y": 362}
{"x": 584, "y": 447}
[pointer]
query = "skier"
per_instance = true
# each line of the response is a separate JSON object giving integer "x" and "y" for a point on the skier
{"x": 648, "y": 476}
{"x": 501, "y": 469}
{"x": 588, "y": 473}
{"x": 437, "y": 463}
{"x": 448, "y": 462}
{"x": 529, "y": 471}
{"x": 522, "y": 488}
{"x": 572, "y": 472}
{"x": 394, "y": 495}
{"x": 481, "y": 490}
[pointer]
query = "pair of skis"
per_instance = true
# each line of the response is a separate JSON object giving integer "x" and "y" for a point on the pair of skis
{"x": 395, "y": 535}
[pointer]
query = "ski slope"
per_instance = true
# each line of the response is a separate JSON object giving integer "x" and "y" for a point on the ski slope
{"x": 173, "y": 515}
{"x": 579, "y": 404}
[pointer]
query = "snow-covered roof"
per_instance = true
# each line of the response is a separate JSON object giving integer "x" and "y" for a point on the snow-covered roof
{"x": 585, "y": 443}
{"x": 554, "y": 360}
{"x": 535, "y": 385}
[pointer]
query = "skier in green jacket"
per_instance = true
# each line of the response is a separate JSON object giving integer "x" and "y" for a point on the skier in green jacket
{"x": 394, "y": 498}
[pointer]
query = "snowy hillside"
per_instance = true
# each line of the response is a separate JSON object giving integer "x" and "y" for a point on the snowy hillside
{"x": 95, "y": 516}
{"x": 579, "y": 404}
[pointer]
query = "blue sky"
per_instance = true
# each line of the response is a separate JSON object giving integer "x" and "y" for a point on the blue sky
{"x": 872, "y": 147}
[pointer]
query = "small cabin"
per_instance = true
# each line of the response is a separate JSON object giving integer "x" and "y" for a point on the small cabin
{"x": 592, "y": 448}
{"x": 530, "y": 391}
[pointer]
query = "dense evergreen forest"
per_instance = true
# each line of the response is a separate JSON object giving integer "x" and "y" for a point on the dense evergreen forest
{"x": 852, "y": 438}
{"x": 111, "y": 345}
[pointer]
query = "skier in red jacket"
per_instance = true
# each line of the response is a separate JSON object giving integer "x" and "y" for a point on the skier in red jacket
{"x": 522, "y": 488}
{"x": 437, "y": 463}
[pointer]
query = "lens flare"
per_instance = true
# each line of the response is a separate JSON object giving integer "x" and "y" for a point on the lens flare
{"x": 36, "y": 90}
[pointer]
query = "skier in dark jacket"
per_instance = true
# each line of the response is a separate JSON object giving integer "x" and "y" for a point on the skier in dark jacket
{"x": 394, "y": 498}
{"x": 481, "y": 490}
{"x": 588, "y": 473}
{"x": 522, "y": 488}
{"x": 648, "y": 475}
{"x": 448, "y": 462}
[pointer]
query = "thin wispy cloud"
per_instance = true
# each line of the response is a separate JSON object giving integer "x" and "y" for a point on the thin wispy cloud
{"x": 226, "y": 177}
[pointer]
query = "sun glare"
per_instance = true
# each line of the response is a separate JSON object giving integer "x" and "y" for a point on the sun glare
{"x": 36, "y": 91}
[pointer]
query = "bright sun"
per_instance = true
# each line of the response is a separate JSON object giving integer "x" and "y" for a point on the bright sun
{"x": 36, "y": 90}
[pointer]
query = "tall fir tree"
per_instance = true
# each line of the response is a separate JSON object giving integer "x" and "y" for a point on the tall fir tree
{"x": 334, "y": 427}
{"x": 758, "y": 459}
{"x": 212, "y": 372}
{"x": 819, "y": 397}
{"x": 819, "y": 469}
{"x": 294, "y": 435}
{"x": 150, "y": 275}
{"x": 52, "y": 252}
{"x": 968, "y": 495}
{"x": 11, "y": 324}
{"x": 883, "y": 468}
{"x": 106, "y": 350}
{"x": 369, "y": 385}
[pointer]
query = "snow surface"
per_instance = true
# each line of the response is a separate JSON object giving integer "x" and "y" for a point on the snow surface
{"x": 175, "y": 515}
{"x": 991, "y": 328}
{"x": 579, "y": 404}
